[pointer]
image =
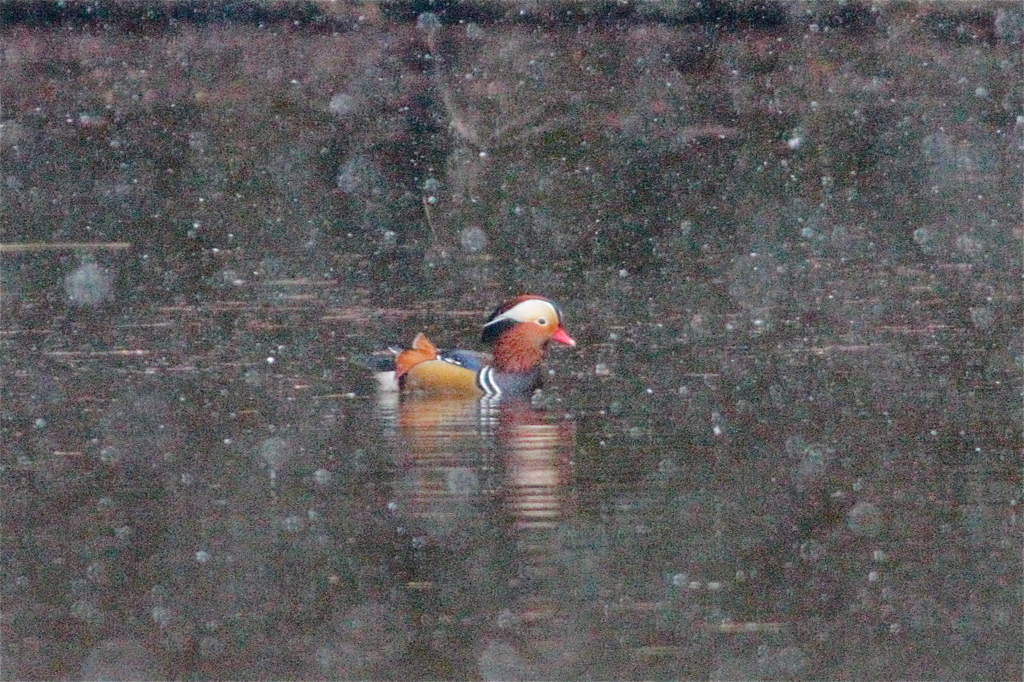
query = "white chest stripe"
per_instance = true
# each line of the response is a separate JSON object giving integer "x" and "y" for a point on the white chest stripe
{"x": 486, "y": 381}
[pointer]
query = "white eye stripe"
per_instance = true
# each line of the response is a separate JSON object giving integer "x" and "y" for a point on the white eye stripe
{"x": 530, "y": 309}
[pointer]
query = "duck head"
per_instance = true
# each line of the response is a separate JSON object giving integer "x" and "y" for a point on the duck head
{"x": 520, "y": 331}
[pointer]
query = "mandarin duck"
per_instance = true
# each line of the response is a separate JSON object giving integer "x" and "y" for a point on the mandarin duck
{"x": 518, "y": 332}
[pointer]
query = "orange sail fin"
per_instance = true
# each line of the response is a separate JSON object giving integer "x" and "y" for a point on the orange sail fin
{"x": 421, "y": 351}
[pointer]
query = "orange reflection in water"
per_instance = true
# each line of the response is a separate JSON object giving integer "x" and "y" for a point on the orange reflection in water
{"x": 489, "y": 484}
{"x": 451, "y": 451}
{"x": 537, "y": 464}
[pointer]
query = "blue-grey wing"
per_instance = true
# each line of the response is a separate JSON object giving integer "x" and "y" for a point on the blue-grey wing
{"x": 470, "y": 359}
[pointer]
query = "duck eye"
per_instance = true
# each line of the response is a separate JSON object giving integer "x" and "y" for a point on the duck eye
{"x": 542, "y": 321}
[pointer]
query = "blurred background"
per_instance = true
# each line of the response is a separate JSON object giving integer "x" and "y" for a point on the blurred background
{"x": 786, "y": 235}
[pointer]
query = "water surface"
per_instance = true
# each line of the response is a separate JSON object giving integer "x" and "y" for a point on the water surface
{"x": 786, "y": 237}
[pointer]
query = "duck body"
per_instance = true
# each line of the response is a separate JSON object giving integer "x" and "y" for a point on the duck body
{"x": 519, "y": 332}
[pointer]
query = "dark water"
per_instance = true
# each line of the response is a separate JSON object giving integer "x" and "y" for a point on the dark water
{"x": 689, "y": 499}
{"x": 788, "y": 242}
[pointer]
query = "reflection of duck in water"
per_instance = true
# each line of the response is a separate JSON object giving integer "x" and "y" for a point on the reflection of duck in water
{"x": 519, "y": 332}
{"x": 458, "y": 457}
